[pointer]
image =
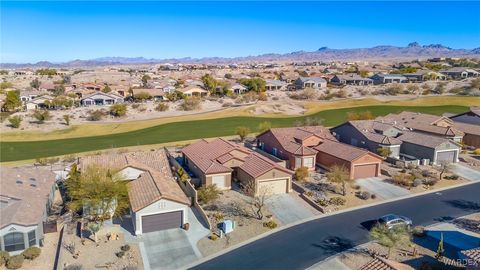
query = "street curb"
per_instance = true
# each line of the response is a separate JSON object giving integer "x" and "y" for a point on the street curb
{"x": 258, "y": 237}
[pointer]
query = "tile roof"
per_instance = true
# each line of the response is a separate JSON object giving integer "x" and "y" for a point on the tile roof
{"x": 290, "y": 138}
{"x": 257, "y": 165}
{"x": 155, "y": 183}
{"x": 404, "y": 118}
{"x": 26, "y": 192}
{"x": 384, "y": 264}
{"x": 342, "y": 150}
{"x": 423, "y": 139}
{"x": 373, "y": 131}
{"x": 467, "y": 128}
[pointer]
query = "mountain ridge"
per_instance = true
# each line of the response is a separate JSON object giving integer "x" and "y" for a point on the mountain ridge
{"x": 411, "y": 51}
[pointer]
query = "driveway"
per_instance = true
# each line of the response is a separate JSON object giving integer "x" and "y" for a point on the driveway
{"x": 381, "y": 188}
{"x": 289, "y": 208}
{"x": 172, "y": 249}
{"x": 465, "y": 172}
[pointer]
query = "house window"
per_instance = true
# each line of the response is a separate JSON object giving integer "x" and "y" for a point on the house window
{"x": 274, "y": 151}
{"x": 308, "y": 162}
{"x": 14, "y": 241}
{"x": 32, "y": 238}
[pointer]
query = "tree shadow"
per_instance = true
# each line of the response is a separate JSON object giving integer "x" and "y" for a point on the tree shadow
{"x": 444, "y": 218}
{"x": 368, "y": 224}
{"x": 464, "y": 205}
{"x": 126, "y": 223}
{"x": 334, "y": 244}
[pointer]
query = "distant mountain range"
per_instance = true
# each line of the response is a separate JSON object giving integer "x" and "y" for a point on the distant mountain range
{"x": 411, "y": 51}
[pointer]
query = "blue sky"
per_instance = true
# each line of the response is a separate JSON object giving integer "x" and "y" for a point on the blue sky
{"x": 66, "y": 30}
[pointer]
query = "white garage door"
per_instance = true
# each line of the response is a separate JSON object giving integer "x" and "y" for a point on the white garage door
{"x": 274, "y": 186}
{"x": 219, "y": 180}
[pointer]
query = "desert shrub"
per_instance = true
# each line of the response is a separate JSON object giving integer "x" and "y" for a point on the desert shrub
{"x": 308, "y": 193}
{"x": 218, "y": 216}
{"x": 322, "y": 202}
{"x": 301, "y": 173}
{"x": 41, "y": 115}
{"x": 46, "y": 161}
{"x": 476, "y": 151}
{"x": 308, "y": 93}
{"x": 118, "y": 110}
{"x": 227, "y": 104}
{"x": 135, "y": 105}
{"x": 337, "y": 201}
{"x": 125, "y": 248}
{"x": 451, "y": 177}
{"x": 270, "y": 224}
{"x": 15, "y": 262}
{"x": 213, "y": 237}
{"x": 402, "y": 179}
{"x": 418, "y": 231}
{"x": 356, "y": 187}
{"x": 384, "y": 152}
{"x": 426, "y": 173}
{"x": 430, "y": 181}
{"x": 120, "y": 254}
{"x": 373, "y": 196}
{"x": 275, "y": 98}
{"x": 3, "y": 257}
{"x": 394, "y": 89}
{"x": 96, "y": 115}
{"x": 161, "y": 107}
{"x": 417, "y": 182}
{"x": 413, "y": 88}
{"x": 262, "y": 96}
{"x": 364, "y": 195}
{"x": 207, "y": 194}
{"x": 191, "y": 104}
{"x": 439, "y": 88}
{"x": 31, "y": 253}
{"x": 15, "y": 121}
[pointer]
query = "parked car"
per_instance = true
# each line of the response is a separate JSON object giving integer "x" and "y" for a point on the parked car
{"x": 391, "y": 221}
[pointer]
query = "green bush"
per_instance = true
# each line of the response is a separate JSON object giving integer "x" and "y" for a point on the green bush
{"x": 207, "y": 194}
{"x": 4, "y": 256}
{"x": 270, "y": 224}
{"x": 15, "y": 262}
{"x": 15, "y": 121}
{"x": 118, "y": 110}
{"x": 301, "y": 174}
{"x": 213, "y": 237}
{"x": 191, "y": 104}
{"x": 31, "y": 253}
{"x": 120, "y": 254}
{"x": 41, "y": 115}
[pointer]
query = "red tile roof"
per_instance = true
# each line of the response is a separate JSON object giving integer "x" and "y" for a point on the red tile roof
{"x": 342, "y": 151}
{"x": 257, "y": 165}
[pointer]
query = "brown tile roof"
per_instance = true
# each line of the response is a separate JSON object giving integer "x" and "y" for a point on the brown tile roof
{"x": 467, "y": 128}
{"x": 405, "y": 118}
{"x": 155, "y": 183}
{"x": 257, "y": 165}
{"x": 473, "y": 254}
{"x": 423, "y": 139}
{"x": 373, "y": 130}
{"x": 26, "y": 192}
{"x": 291, "y": 138}
{"x": 342, "y": 150}
{"x": 446, "y": 131}
{"x": 384, "y": 264}
{"x": 209, "y": 156}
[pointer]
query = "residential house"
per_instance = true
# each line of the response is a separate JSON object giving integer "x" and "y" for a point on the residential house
{"x": 26, "y": 95}
{"x": 400, "y": 140}
{"x": 425, "y": 75}
{"x": 194, "y": 91}
{"x": 460, "y": 73}
{"x": 218, "y": 162}
{"x": 238, "y": 88}
{"x": 471, "y": 133}
{"x": 310, "y": 82}
{"x": 157, "y": 202}
{"x": 272, "y": 85}
{"x": 154, "y": 93}
{"x": 315, "y": 146}
{"x": 470, "y": 117}
{"x": 388, "y": 78}
{"x": 101, "y": 98}
{"x": 351, "y": 79}
{"x": 38, "y": 103}
{"x": 26, "y": 197}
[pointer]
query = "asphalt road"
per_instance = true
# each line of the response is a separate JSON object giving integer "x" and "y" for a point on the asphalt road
{"x": 303, "y": 245}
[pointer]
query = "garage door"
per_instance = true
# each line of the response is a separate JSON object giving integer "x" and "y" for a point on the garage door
{"x": 219, "y": 180}
{"x": 364, "y": 171}
{"x": 274, "y": 187}
{"x": 164, "y": 221}
{"x": 448, "y": 156}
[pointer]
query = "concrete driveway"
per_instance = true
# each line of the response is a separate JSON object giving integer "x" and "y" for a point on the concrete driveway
{"x": 172, "y": 249}
{"x": 465, "y": 172}
{"x": 381, "y": 188}
{"x": 289, "y": 208}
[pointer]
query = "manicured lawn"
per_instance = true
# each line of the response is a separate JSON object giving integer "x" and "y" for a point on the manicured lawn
{"x": 180, "y": 131}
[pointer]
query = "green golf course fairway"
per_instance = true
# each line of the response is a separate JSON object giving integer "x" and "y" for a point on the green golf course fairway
{"x": 189, "y": 130}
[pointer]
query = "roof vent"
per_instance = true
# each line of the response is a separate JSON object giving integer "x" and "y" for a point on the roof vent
{"x": 19, "y": 182}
